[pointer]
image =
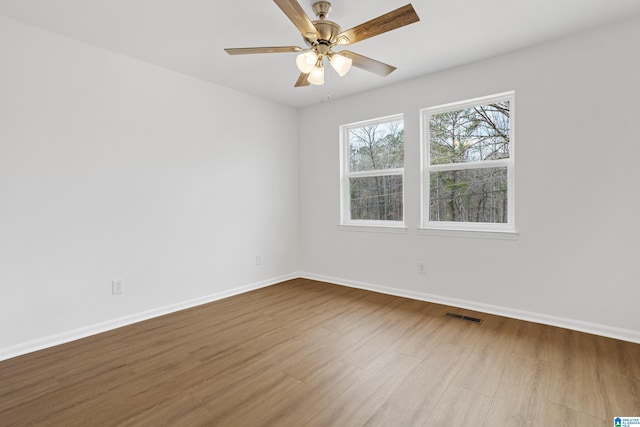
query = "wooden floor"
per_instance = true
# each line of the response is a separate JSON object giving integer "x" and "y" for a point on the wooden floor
{"x": 310, "y": 353}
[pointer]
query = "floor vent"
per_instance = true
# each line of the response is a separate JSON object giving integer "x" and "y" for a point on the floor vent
{"x": 462, "y": 317}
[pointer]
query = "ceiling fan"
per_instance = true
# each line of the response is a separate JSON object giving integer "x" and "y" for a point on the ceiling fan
{"x": 322, "y": 35}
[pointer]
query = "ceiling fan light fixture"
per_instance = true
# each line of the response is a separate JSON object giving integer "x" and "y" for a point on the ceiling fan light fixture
{"x": 316, "y": 76}
{"x": 306, "y": 61}
{"x": 341, "y": 64}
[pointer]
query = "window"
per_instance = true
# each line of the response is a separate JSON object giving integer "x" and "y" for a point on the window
{"x": 373, "y": 172}
{"x": 468, "y": 158}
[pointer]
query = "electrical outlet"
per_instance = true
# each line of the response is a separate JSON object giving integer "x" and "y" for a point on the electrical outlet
{"x": 117, "y": 286}
{"x": 258, "y": 260}
{"x": 422, "y": 268}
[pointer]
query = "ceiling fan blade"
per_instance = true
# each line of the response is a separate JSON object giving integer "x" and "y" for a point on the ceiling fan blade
{"x": 400, "y": 17}
{"x": 296, "y": 14}
{"x": 368, "y": 64}
{"x": 302, "y": 80}
{"x": 251, "y": 50}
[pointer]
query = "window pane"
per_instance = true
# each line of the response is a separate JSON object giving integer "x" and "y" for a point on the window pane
{"x": 470, "y": 135}
{"x": 376, "y": 198}
{"x": 376, "y": 146}
{"x": 469, "y": 195}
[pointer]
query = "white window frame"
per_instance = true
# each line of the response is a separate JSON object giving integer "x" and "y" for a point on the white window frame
{"x": 468, "y": 229}
{"x": 346, "y": 223}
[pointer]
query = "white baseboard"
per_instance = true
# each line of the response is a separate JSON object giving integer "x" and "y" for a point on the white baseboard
{"x": 64, "y": 337}
{"x": 577, "y": 325}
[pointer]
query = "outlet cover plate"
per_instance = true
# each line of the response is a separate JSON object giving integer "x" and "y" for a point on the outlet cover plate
{"x": 117, "y": 286}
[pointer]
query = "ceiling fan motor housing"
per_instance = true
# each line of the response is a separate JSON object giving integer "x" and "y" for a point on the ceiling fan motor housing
{"x": 327, "y": 30}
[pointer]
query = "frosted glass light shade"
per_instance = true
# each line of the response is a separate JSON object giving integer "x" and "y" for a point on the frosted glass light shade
{"x": 341, "y": 64}
{"x": 306, "y": 61}
{"x": 316, "y": 76}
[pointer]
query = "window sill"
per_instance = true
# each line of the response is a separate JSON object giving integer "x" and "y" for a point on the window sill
{"x": 392, "y": 229}
{"x": 475, "y": 234}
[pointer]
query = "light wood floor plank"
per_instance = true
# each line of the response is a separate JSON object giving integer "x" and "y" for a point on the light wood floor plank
{"x": 363, "y": 398}
{"x": 521, "y": 393}
{"x": 483, "y": 369}
{"x": 417, "y": 396}
{"x": 322, "y": 386}
{"x": 459, "y": 407}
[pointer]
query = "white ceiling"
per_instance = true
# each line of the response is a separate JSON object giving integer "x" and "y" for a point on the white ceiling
{"x": 188, "y": 36}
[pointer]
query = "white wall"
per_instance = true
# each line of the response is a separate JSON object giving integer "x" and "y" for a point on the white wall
{"x": 111, "y": 168}
{"x": 578, "y": 203}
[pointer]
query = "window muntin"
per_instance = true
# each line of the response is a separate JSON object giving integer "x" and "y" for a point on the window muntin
{"x": 468, "y": 177}
{"x": 373, "y": 172}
